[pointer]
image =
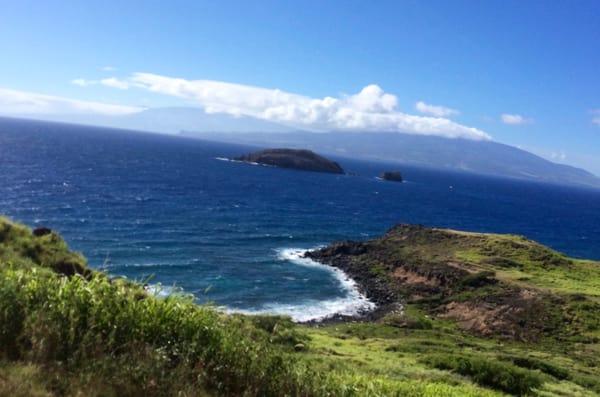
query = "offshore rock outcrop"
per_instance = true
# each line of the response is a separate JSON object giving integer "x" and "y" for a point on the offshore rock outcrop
{"x": 394, "y": 176}
{"x": 299, "y": 159}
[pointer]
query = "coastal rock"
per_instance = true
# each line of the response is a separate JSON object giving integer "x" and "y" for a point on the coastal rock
{"x": 394, "y": 176}
{"x": 412, "y": 264}
{"x": 299, "y": 159}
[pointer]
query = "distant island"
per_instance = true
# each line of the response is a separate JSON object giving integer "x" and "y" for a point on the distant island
{"x": 394, "y": 176}
{"x": 299, "y": 159}
{"x": 463, "y": 155}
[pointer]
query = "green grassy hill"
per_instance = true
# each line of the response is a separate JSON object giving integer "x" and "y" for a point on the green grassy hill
{"x": 66, "y": 330}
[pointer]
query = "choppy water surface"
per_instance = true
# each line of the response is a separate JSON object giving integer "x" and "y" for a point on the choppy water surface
{"x": 165, "y": 208}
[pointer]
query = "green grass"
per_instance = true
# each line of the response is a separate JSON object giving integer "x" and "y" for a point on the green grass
{"x": 22, "y": 380}
{"x": 444, "y": 354}
{"x": 516, "y": 259}
{"x": 102, "y": 331}
{"x": 496, "y": 374}
{"x": 50, "y": 251}
{"x": 88, "y": 334}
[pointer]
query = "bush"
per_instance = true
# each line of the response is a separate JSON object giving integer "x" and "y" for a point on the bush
{"x": 502, "y": 376}
{"x": 407, "y": 321}
{"x": 545, "y": 367}
{"x": 479, "y": 279}
{"x": 78, "y": 323}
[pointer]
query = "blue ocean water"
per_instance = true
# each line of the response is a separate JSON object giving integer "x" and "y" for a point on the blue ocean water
{"x": 167, "y": 210}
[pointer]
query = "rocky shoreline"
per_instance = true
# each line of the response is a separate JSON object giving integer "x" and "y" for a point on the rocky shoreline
{"x": 339, "y": 255}
{"x": 452, "y": 275}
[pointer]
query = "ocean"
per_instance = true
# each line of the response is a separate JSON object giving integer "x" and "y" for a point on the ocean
{"x": 171, "y": 212}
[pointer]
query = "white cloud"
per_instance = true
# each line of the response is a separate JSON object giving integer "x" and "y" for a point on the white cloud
{"x": 83, "y": 82}
{"x": 558, "y": 156}
{"x": 514, "y": 119}
{"x": 115, "y": 83}
{"x": 14, "y": 102}
{"x": 437, "y": 111}
{"x": 596, "y": 117}
{"x": 369, "y": 110}
{"x": 109, "y": 82}
{"x": 108, "y": 68}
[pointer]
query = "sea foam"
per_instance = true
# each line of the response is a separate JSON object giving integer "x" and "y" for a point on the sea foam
{"x": 353, "y": 303}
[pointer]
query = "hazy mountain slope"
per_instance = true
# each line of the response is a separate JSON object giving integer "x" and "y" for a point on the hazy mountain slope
{"x": 170, "y": 120}
{"x": 486, "y": 157}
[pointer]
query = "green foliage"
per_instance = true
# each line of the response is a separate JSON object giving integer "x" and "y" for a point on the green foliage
{"x": 544, "y": 366}
{"x": 103, "y": 337}
{"x": 18, "y": 245}
{"x": 86, "y": 334}
{"x": 24, "y": 380}
{"x": 74, "y": 321}
{"x": 410, "y": 318}
{"x": 280, "y": 330}
{"x": 401, "y": 321}
{"x": 478, "y": 279}
{"x": 496, "y": 374}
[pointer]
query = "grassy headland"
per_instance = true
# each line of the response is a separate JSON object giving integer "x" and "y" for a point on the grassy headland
{"x": 66, "y": 330}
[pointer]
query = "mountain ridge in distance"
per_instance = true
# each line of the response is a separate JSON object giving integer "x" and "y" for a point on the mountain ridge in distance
{"x": 482, "y": 157}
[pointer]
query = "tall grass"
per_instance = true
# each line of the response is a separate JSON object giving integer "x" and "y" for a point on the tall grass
{"x": 111, "y": 333}
{"x": 499, "y": 375}
{"x": 82, "y": 333}
{"x": 75, "y": 322}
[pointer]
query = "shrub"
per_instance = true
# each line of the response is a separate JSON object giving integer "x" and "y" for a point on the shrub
{"x": 498, "y": 375}
{"x": 76, "y": 322}
{"x": 544, "y": 366}
{"x": 407, "y": 321}
{"x": 479, "y": 279}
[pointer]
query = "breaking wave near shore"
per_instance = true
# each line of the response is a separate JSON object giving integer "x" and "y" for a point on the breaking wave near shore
{"x": 352, "y": 303}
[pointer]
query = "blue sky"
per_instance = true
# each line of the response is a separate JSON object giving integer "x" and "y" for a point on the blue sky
{"x": 537, "y": 63}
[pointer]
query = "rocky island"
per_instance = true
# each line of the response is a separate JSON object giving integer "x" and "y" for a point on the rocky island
{"x": 394, "y": 176}
{"x": 299, "y": 159}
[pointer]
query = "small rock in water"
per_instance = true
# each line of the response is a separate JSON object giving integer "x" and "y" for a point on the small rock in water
{"x": 394, "y": 176}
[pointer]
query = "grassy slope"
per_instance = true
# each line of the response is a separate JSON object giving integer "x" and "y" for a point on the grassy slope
{"x": 90, "y": 335}
{"x": 558, "y": 340}
{"x": 87, "y": 334}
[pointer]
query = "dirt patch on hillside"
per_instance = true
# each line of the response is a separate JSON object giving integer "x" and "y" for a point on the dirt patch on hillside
{"x": 407, "y": 277}
{"x": 518, "y": 314}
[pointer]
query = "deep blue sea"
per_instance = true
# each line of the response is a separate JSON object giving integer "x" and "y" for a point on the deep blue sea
{"x": 167, "y": 211}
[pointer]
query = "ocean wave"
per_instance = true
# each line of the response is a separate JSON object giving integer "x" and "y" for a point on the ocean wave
{"x": 147, "y": 265}
{"x": 353, "y": 303}
{"x": 162, "y": 291}
{"x": 241, "y": 161}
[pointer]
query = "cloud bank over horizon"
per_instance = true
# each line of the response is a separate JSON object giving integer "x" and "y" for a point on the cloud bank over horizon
{"x": 13, "y": 102}
{"x": 370, "y": 110}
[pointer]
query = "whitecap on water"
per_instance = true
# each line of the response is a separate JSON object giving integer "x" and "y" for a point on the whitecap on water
{"x": 353, "y": 303}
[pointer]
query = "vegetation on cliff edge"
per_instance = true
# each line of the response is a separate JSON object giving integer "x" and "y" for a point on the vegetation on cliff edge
{"x": 68, "y": 330}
